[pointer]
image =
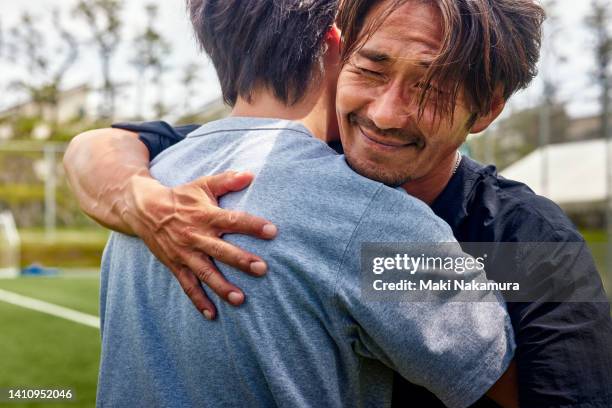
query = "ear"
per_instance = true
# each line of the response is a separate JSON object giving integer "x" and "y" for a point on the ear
{"x": 333, "y": 36}
{"x": 497, "y": 106}
{"x": 332, "y": 55}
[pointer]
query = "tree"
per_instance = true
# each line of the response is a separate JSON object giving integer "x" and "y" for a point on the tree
{"x": 598, "y": 22}
{"x": 69, "y": 49}
{"x": 519, "y": 134}
{"x": 2, "y": 40}
{"x": 28, "y": 46}
{"x": 46, "y": 59}
{"x": 189, "y": 79}
{"x": 551, "y": 57}
{"x": 152, "y": 50}
{"x": 102, "y": 17}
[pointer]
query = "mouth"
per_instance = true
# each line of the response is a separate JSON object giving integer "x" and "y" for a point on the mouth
{"x": 384, "y": 143}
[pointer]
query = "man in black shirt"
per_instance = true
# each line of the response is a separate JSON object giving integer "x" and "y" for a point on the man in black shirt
{"x": 559, "y": 344}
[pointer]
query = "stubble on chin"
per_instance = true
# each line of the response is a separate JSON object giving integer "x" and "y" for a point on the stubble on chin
{"x": 376, "y": 172}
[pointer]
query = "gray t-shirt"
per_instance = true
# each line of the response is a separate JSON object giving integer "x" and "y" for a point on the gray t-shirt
{"x": 305, "y": 337}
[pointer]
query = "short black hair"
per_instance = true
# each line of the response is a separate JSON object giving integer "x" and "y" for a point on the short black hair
{"x": 277, "y": 44}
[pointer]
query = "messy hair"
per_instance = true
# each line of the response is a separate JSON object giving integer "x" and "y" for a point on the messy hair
{"x": 488, "y": 47}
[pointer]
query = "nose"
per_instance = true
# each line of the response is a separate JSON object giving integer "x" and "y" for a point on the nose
{"x": 393, "y": 108}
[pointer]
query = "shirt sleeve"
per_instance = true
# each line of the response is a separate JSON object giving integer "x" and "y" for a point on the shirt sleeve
{"x": 564, "y": 354}
{"x": 158, "y": 135}
{"x": 457, "y": 350}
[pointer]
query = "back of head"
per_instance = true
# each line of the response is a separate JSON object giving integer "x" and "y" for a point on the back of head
{"x": 488, "y": 46}
{"x": 277, "y": 44}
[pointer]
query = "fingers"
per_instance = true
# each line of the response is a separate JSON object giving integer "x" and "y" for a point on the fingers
{"x": 234, "y": 221}
{"x": 230, "y": 255}
{"x": 226, "y": 182}
{"x": 240, "y": 222}
{"x": 183, "y": 228}
{"x": 208, "y": 274}
{"x": 191, "y": 286}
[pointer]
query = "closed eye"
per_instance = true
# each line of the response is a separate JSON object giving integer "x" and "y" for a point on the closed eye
{"x": 368, "y": 72}
{"x": 428, "y": 88}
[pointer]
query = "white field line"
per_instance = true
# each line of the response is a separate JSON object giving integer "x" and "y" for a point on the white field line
{"x": 49, "y": 308}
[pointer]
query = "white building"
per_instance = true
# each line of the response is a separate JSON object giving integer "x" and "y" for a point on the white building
{"x": 73, "y": 103}
{"x": 571, "y": 174}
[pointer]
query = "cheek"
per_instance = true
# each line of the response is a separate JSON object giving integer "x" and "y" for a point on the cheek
{"x": 351, "y": 95}
{"x": 442, "y": 134}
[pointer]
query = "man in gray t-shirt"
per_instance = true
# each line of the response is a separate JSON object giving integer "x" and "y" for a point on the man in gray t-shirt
{"x": 305, "y": 336}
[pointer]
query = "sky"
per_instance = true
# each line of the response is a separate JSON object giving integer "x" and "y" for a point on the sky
{"x": 570, "y": 39}
{"x": 174, "y": 25}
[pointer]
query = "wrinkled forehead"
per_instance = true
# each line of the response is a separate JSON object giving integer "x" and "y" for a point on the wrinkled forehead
{"x": 403, "y": 30}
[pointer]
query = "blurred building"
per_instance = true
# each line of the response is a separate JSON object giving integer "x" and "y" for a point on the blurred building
{"x": 573, "y": 175}
{"x": 520, "y": 134}
{"x": 72, "y": 105}
{"x": 584, "y": 128}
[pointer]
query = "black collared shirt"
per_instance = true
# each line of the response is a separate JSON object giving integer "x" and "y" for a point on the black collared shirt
{"x": 564, "y": 350}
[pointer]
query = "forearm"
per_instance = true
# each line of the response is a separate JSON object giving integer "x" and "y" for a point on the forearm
{"x": 101, "y": 166}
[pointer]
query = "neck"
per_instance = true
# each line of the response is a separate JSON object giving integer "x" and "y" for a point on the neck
{"x": 314, "y": 110}
{"x": 429, "y": 187}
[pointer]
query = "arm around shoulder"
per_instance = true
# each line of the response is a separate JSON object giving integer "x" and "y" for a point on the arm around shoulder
{"x": 108, "y": 170}
{"x": 101, "y": 166}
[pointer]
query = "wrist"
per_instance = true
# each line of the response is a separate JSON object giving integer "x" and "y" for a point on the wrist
{"x": 128, "y": 205}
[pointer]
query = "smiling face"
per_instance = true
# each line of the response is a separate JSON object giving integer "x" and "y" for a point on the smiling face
{"x": 378, "y": 101}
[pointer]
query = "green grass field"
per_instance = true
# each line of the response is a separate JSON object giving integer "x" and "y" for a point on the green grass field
{"x": 40, "y": 350}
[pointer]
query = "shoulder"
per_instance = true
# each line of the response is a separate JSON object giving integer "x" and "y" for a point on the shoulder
{"x": 516, "y": 212}
{"x": 157, "y": 136}
{"x": 542, "y": 219}
{"x": 159, "y": 128}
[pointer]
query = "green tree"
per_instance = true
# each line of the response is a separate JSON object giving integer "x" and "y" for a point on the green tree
{"x": 519, "y": 134}
{"x": 598, "y": 22}
{"x": 152, "y": 51}
{"x": 46, "y": 58}
{"x": 102, "y": 18}
{"x": 27, "y": 47}
{"x": 2, "y": 39}
{"x": 189, "y": 79}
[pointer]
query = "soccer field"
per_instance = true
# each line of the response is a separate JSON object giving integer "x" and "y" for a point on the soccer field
{"x": 38, "y": 350}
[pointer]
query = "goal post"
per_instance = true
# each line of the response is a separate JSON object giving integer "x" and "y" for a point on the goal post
{"x": 10, "y": 246}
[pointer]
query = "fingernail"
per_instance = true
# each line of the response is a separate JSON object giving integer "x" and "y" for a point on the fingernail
{"x": 269, "y": 230}
{"x": 258, "y": 268}
{"x": 207, "y": 314}
{"x": 235, "y": 298}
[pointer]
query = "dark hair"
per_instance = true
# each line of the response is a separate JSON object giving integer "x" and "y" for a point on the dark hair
{"x": 487, "y": 45}
{"x": 272, "y": 43}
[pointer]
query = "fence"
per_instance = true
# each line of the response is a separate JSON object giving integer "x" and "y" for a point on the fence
{"x": 33, "y": 187}
{"x": 52, "y": 229}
